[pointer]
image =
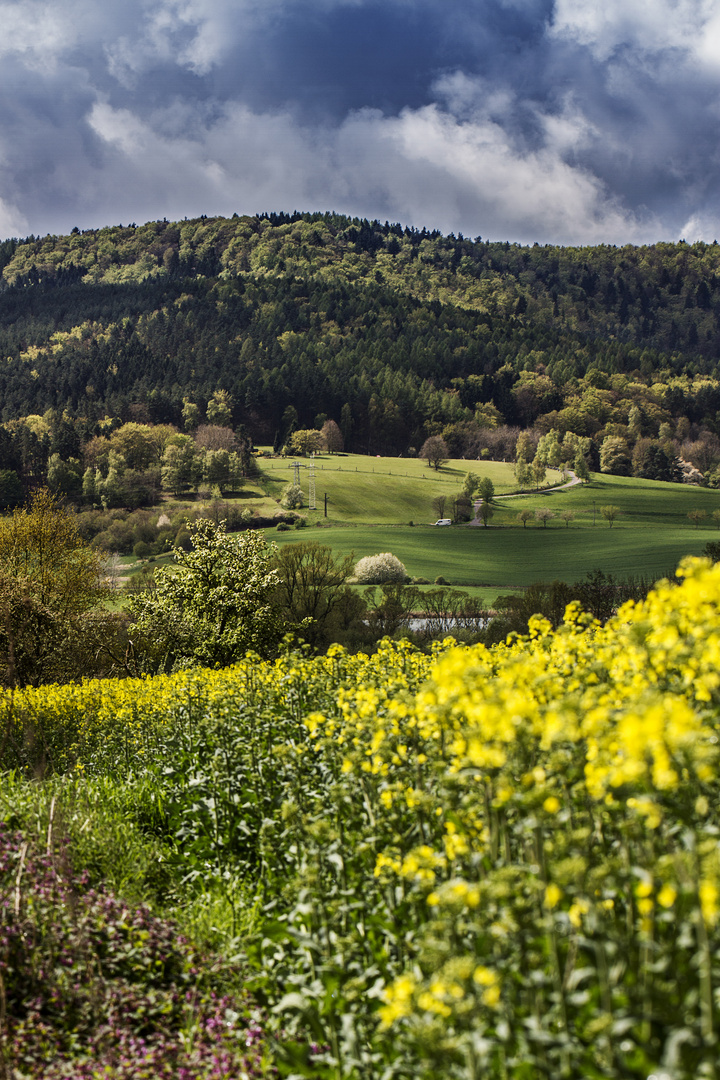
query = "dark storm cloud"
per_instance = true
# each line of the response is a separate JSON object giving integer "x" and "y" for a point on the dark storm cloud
{"x": 548, "y": 120}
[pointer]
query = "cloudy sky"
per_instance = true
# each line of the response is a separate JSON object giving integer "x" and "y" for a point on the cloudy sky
{"x": 568, "y": 121}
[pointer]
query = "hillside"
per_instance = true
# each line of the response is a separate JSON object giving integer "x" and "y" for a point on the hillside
{"x": 395, "y": 333}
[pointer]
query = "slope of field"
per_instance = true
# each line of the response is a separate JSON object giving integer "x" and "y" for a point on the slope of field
{"x": 649, "y": 536}
{"x": 517, "y": 557}
{"x": 385, "y": 490}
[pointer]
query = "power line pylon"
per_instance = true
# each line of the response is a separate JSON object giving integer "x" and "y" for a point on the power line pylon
{"x": 311, "y": 483}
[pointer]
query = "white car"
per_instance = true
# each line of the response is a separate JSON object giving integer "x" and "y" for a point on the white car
{"x": 444, "y": 521}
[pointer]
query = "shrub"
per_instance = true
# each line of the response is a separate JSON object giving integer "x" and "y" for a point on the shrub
{"x": 292, "y": 498}
{"x": 375, "y": 569}
{"x": 441, "y": 580}
{"x": 282, "y": 526}
{"x": 82, "y": 968}
{"x": 142, "y": 550}
{"x": 183, "y": 539}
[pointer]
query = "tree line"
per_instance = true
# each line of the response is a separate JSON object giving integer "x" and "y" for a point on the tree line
{"x": 396, "y": 334}
{"x": 226, "y": 595}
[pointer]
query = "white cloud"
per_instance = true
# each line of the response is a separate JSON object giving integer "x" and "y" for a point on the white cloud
{"x": 39, "y": 31}
{"x": 471, "y": 176}
{"x": 704, "y": 227}
{"x": 423, "y": 166}
{"x": 690, "y": 26}
{"x": 12, "y": 222}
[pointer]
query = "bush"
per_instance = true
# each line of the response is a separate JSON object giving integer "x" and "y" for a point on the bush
{"x": 183, "y": 539}
{"x": 292, "y": 498}
{"x": 375, "y": 569}
{"x": 282, "y": 526}
{"x": 142, "y": 550}
{"x": 441, "y": 581}
{"x": 120, "y": 989}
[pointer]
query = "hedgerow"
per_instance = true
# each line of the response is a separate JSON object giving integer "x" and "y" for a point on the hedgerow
{"x": 490, "y": 862}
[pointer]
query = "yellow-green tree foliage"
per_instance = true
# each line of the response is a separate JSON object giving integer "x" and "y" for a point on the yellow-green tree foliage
{"x": 51, "y": 586}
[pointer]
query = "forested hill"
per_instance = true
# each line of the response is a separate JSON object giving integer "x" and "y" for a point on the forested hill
{"x": 394, "y": 332}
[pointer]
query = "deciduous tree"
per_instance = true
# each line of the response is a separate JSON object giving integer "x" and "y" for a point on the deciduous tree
{"x": 307, "y": 441}
{"x": 312, "y": 593}
{"x": 438, "y": 504}
{"x": 486, "y": 512}
{"x": 212, "y": 606}
{"x": 333, "y": 437}
{"x": 434, "y": 451}
{"x": 219, "y": 409}
{"x": 486, "y": 489}
{"x": 544, "y": 514}
{"x": 292, "y": 497}
{"x": 52, "y": 624}
{"x": 615, "y": 456}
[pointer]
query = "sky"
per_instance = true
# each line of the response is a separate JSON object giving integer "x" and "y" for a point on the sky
{"x": 548, "y": 121}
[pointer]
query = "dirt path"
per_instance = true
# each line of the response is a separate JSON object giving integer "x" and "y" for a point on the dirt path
{"x": 572, "y": 482}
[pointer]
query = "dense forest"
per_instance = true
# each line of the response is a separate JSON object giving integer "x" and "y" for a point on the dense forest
{"x": 396, "y": 334}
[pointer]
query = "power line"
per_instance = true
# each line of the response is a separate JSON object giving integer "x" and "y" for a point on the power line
{"x": 311, "y": 483}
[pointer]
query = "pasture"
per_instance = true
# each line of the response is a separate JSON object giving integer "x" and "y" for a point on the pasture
{"x": 383, "y": 490}
{"x": 650, "y": 535}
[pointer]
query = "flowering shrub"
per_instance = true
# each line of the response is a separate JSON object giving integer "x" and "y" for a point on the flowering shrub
{"x": 94, "y": 988}
{"x": 376, "y": 569}
{"x": 292, "y": 497}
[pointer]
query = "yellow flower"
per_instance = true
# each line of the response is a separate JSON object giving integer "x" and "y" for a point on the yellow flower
{"x": 488, "y": 979}
{"x": 667, "y": 896}
{"x": 708, "y": 893}
{"x": 553, "y": 895}
{"x": 398, "y": 998}
{"x": 576, "y": 912}
{"x": 491, "y": 997}
{"x": 484, "y": 976}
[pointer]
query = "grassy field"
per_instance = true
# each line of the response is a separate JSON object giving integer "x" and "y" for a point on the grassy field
{"x": 648, "y": 538}
{"x": 371, "y": 502}
{"x": 498, "y": 558}
{"x": 384, "y": 490}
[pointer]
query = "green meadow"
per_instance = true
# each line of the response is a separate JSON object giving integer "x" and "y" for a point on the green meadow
{"x": 383, "y": 490}
{"x": 372, "y": 501}
{"x": 513, "y": 557}
{"x": 649, "y": 536}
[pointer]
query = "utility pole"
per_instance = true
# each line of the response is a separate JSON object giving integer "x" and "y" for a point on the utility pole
{"x": 311, "y": 483}
{"x": 326, "y": 504}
